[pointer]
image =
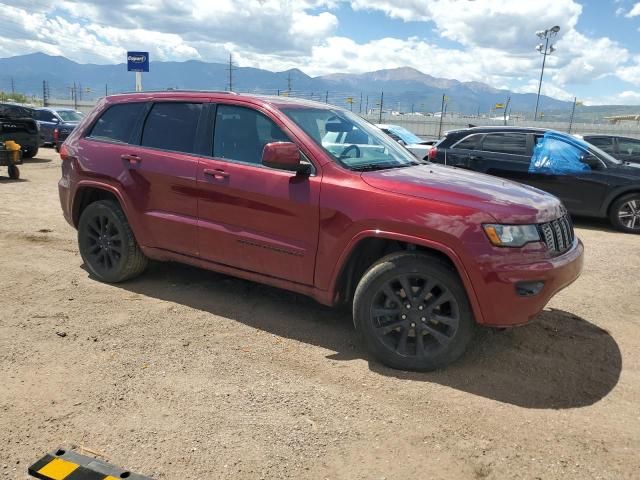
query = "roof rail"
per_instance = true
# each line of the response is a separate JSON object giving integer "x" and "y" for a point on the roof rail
{"x": 178, "y": 90}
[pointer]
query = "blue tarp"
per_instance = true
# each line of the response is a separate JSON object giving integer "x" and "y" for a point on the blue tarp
{"x": 559, "y": 154}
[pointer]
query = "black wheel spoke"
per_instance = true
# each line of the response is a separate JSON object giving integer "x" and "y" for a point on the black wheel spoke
{"x": 440, "y": 337}
{"x": 420, "y": 349}
{"x": 405, "y": 282}
{"x": 426, "y": 290}
{"x": 392, "y": 295}
{"x": 387, "y": 329}
{"x": 449, "y": 321}
{"x": 378, "y": 312}
{"x": 401, "y": 347}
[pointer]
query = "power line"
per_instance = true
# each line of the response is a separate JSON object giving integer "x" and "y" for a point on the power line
{"x": 230, "y": 69}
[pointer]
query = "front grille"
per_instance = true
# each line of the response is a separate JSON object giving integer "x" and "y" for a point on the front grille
{"x": 557, "y": 235}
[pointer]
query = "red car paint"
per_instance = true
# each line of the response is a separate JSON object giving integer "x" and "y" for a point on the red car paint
{"x": 297, "y": 232}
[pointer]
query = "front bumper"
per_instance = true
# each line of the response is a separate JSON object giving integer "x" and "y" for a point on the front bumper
{"x": 498, "y": 297}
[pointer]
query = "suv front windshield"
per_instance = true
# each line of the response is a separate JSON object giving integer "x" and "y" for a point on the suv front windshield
{"x": 351, "y": 141}
{"x": 70, "y": 115}
{"x": 405, "y": 135}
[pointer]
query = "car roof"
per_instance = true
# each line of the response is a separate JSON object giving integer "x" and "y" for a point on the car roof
{"x": 497, "y": 129}
{"x": 276, "y": 101}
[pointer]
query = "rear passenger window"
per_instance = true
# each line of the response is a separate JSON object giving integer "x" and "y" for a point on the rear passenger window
{"x": 172, "y": 126}
{"x": 118, "y": 122}
{"x": 604, "y": 143}
{"x": 511, "y": 143}
{"x": 469, "y": 143}
{"x": 241, "y": 134}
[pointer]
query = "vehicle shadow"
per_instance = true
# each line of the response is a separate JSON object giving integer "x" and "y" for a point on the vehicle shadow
{"x": 36, "y": 160}
{"x": 6, "y": 179}
{"x": 558, "y": 361}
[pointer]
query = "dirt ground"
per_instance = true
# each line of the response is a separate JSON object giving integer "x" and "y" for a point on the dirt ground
{"x": 188, "y": 374}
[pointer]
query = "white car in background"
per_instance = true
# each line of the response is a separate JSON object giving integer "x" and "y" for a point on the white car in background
{"x": 420, "y": 148}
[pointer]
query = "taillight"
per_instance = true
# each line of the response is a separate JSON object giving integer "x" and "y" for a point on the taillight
{"x": 433, "y": 153}
{"x": 56, "y": 135}
{"x": 64, "y": 153}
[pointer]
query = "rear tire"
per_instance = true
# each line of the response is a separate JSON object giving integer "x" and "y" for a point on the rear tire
{"x": 624, "y": 213}
{"x": 14, "y": 172}
{"x": 107, "y": 244}
{"x": 428, "y": 328}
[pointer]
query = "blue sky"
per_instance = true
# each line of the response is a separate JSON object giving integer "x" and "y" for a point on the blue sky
{"x": 491, "y": 41}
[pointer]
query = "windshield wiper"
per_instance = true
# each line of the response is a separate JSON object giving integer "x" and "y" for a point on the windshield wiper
{"x": 368, "y": 167}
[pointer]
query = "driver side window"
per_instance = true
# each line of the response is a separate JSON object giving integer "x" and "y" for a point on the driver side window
{"x": 241, "y": 133}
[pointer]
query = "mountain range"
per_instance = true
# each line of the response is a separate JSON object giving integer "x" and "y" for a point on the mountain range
{"x": 405, "y": 89}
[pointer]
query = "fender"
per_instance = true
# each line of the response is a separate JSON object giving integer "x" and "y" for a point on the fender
{"x": 610, "y": 198}
{"x": 444, "y": 249}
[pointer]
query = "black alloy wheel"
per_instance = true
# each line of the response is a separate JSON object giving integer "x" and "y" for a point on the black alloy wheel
{"x": 413, "y": 312}
{"x": 625, "y": 213}
{"x": 107, "y": 244}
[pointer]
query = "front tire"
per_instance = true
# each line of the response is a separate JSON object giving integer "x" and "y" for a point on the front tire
{"x": 14, "y": 172}
{"x": 30, "y": 152}
{"x": 413, "y": 312}
{"x": 107, "y": 244}
{"x": 624, "y": 213}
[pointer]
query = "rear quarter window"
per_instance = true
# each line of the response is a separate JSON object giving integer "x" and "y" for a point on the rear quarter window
{"x": 118, "y": 122}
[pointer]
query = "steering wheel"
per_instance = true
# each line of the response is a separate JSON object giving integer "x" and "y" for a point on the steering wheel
{"x": 345, "y": 152}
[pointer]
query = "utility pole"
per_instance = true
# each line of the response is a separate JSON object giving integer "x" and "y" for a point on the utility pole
{"x": 545, "y": 50}
{"x": 326, "y": 97}
{"x": 13, "y": 88}
{"x": 289, "y": 83}
{"x": 45, "y": 93}
{"x": 360, "y": 107}
{"x": 381, "y": 105}
{"x": 573, "y": 111}
{"x": 506, "y": 107}
{"x": 106, "y": 90}
{"x": 74, "y": 96}
{"x": 366, "y": 108}
{"x": 441, "y": 115}
{"x": 231, "y": 68}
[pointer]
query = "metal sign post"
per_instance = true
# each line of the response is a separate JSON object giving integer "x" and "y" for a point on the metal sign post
{"x": 138, "y": 62}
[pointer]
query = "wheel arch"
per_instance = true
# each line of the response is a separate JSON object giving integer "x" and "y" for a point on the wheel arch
{"x": 368, "y": 247}
{"x": 615, "y": 195}
{"x": 88, "y": 193}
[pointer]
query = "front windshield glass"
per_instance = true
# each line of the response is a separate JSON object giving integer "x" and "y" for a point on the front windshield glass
{"x": 351, "y": 141}
{"x": 405, "y": 135}
{"x": 70, "y": 115}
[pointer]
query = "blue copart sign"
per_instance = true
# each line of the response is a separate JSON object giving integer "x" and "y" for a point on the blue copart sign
{"x": 138, "y": 61}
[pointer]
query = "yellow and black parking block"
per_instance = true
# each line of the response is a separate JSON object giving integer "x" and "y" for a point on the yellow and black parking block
{"x": 69, "y": 465}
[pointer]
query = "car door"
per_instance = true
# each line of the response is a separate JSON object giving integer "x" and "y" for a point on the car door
{"x": 462, "y": 153}
{"x": 250, "y": 216}
{"x": 628, "y": 149}
{"x": 504, "y": 154}
{"x": 48, "y": 122}
{"x": 582, "y": 189}
{"x": 152, "y": 150}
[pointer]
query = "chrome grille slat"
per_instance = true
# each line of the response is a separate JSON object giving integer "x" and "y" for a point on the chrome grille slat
{"x": 558, "y": 235}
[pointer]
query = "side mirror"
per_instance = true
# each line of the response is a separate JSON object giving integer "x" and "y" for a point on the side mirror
{"x": 284, "y": 156}
{"x": 592, "y": 161}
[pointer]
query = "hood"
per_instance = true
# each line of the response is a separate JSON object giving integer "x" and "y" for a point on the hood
{"x": 504, "y": 200}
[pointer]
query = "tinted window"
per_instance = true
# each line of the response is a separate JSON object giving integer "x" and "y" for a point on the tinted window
{"x": 469, "y": 143}
{"x": 605, "y": 143}
{"x": 44, "y": 116}
{"x": 511, "y": 143}
{"x": 118, "y": 122}
{"x": 241, "y": 134}
{"x": 629, "y": 147}
{"x": 172, "y": 126}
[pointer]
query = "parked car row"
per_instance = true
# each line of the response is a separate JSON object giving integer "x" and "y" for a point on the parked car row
{"x": 34, "y": 127}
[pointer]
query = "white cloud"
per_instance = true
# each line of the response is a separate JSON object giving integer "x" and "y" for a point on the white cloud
{"x": 634, "y": 12}
{"x": 627, "y": 97}
{"x": 494, "y": 40}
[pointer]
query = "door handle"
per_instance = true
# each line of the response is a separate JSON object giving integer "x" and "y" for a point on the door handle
{"x": 217, "y": 173}
{"x": 131, "y": 159}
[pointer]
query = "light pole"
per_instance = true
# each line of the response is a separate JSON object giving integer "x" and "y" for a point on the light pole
{"x": 544, "y": 49}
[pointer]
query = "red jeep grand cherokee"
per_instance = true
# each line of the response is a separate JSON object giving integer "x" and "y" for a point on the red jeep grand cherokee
{"x": 311, "y": 198}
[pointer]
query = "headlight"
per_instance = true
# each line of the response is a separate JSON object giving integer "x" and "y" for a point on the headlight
{"x": 511, "y": 235}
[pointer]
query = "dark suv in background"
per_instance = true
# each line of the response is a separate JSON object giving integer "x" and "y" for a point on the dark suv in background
{"x": 56, "y": 124}
{"x": 606, "y": 187}
{"x": 18, "y": 123}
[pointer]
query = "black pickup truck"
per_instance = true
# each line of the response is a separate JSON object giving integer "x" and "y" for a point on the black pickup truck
{"x": 18, "y": 123}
